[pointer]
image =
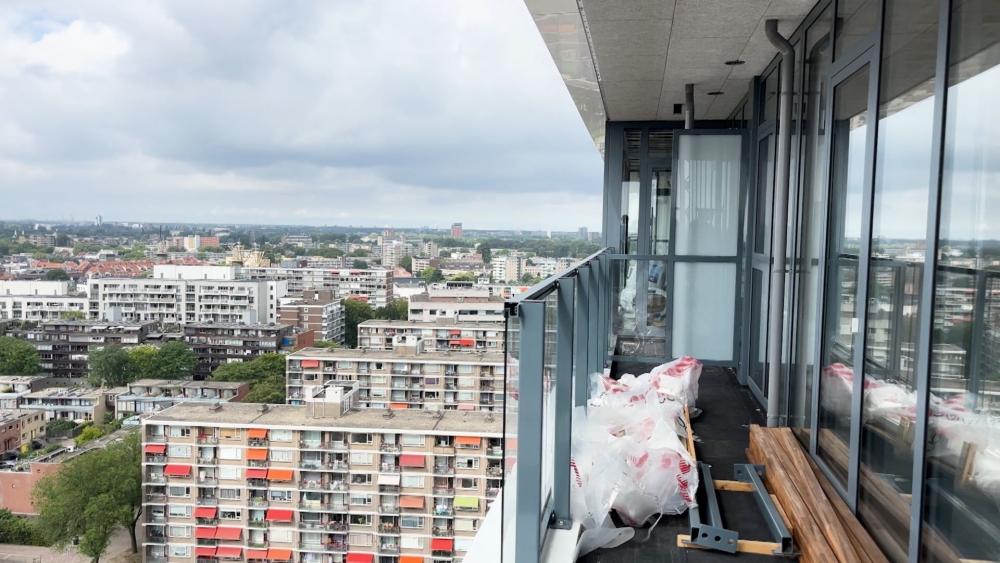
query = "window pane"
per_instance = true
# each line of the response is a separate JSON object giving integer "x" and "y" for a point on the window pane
{"x": 850, "y": 117}
{"x": 707, "y": 192}
{"x": 812, "y": 215}
{"x": 769, "y": 97}
{"x": 704, "y": 310}
{"x": 662, "y": 212}
{"x": 961, "y": 491}
{"x": 630, "y": 189}
{"x": 855, "y": 19}
{"x": 765, "y": 196}
{"x": 902, "y": 185}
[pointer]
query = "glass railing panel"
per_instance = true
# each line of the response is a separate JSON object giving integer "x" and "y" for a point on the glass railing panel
{"x": 512, "y": 347}
{"x": 549, "y": 399}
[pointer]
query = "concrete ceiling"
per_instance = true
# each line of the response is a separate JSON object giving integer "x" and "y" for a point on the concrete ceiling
{"x": 647, "y": 50}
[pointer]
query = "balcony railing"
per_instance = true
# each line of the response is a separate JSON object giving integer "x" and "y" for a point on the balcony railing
{"x": 156, "y": 459}
{"x": 444, "y": 470}
{"x": 443, "y": 532}
{"x": 391, "y": 448}
{"x": 207, "y": 440}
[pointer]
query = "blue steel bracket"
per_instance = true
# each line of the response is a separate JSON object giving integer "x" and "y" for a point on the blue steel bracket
{"x": 710, "y": 534}
{"x": 750, "y": 473}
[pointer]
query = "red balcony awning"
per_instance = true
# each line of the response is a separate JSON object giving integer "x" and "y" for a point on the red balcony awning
{"x": 455, "y": 332}
{"x": 204, "y": 532}
{"x": 310, "y": 363}
{"x": 256, "y": 473}
{"x": 279, "y": 554}
{"x": 257, "y": 433}
{"x": 177, "y": 470}
{"x": 257, "y": 454}
{"x": 204, "y": 551}
{"x": 279, "y": 474}
{"x": 467, "y": 342}
{"x": 360, "y": 557}
{"x": 228, "y": 533}
{"x": 205, "y": 511}
{"x": 256, "y": 554}
{"x": 466, "y": 407}
{"x": 468, "y": 441}
{"x": 399, "y": 406}
{"x": 229, "y": 552}
{"x": 408, "y": 501}
{"x": 412, "y": 460}
{"x": 155, "y": 448}
{"x": 279, "y": 515}
{"x": 442, "y": 544}
{"x": 456, "y": 341}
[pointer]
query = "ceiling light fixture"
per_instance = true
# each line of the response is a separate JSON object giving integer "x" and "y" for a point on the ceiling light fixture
{"x": 736, "y": 62}
{"x": 716, "y": 93}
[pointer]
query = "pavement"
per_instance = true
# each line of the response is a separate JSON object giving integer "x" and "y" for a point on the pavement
{"x": 119, "y": 551}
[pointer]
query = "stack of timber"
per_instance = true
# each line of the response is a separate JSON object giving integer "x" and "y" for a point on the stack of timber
{"x": 823, "y": 527}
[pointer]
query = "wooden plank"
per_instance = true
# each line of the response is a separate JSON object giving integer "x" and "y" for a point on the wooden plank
{"x": 742, "y": 546}
{"x": 737, "y": 486}
{"x": 784, "y": 517}
{"x": 690, "y": 433}
{"x": 810, "y": 537}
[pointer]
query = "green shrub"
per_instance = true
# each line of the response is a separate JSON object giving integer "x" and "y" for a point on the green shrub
{"x": 19, "y": 531}
{"x": 88, "y": 435}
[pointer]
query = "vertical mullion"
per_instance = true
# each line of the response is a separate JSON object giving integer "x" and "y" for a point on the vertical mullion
{"x": 564, "y": 400}
{"x": 581, "y": 329}
{"x": 642, "y": 245}
{"x": 528, "y": 537}
{"x": 593, "y": 308}
{"x": 927, "y": 298}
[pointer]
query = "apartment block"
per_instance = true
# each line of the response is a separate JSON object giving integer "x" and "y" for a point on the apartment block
{"x": 19, "y": 426}
{"x": 41, "y": 239}
{"x": 405, "y": 377}
{"x": 438, "y": 336}
{"x": 317, "y": 311}
{"x": 373, "y": 286}
{"x": 64, "y": 346}
{"x": 13, "y": 387}
{"x": 393, "y": 251}
{"x": 458, "y": 305}
{"x": 73, "y": 403}
{"x": 151, "y": 395}
{"x": 318, "y": 483}
{"x": 305, "y": 241}
{"x": 40, "y": 308}
{"x": 216, "y": 344}
{"x": 34, "y": 287}
{"x": 184, "y": 301}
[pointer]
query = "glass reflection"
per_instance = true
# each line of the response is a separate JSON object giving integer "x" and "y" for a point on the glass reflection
{"x": 640, "y": 297}
{"x": 630, "y": 192}
{"x": 850, "y": 118}
{"x": 962, "y": 481}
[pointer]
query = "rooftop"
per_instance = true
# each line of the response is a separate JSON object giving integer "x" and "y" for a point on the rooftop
{"x": 100, "y": 324}
{"x": 300, "y": 417}
{"x": 9, "y": 415}
{"x": 66, "y": 393}
{"x": 9, "y": 379}
{"x": 187, "y": 384}
{"x": 440, "y": 323}
{"x": 257, "y": 326}
{"x": 399, "y": 354}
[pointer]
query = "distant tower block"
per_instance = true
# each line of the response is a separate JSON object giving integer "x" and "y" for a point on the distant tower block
{"x": 456, "y": 230}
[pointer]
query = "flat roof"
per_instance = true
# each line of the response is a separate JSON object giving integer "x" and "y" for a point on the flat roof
{"x": 107, "y": 324}
{"x": 299, "y": 417}
{"x": 237, "y": 325}
{"x": 20, "y": 378}
{"x": 452, "y": 324}
{"x": 399, "y": 354}
{"x": 67, "y": 393}
{"x": 187, "y": 384}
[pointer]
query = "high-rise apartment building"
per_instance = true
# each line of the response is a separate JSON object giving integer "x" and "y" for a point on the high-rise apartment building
{"x": 393, "y": 251}
{"x": 429, "y": 249}
{"x": 64, "y": 346}
{"x": 405, "y": 377}
{"x": 373, "y": 286}
{"x": 41, "y": 308}
{"x": 472, "y": 305}
{"x": 439, "y": 336}
{"x": 318, "y": 483}
{"x": 317, "y": 311}
{"x": 456, "y": 230}
{"x": 216, "y": 344}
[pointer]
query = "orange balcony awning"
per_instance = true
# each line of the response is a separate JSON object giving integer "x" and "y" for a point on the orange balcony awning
{"x": 398, "y": 406}
{"x": 279, "y": 515}
{"x": 256, "y": 554}
{"x": 442, "y": 544}
{"x": 469, "y": 441}
{"x": 204, "y": 551}
{"x": 360, "y": 557}
{"x": 279, "y": 554}
{"x": 279, "y": 474}
{"x": 228, "y": 533}
{"x": 411, "y": 559}
{"x": 455, "y": 341}
{"x": 257, "y": 433}
{"x": 229, "y": 552}
{"x": 466, "y": 407}
{"x": 408, "y": 501}
{"x": 204, "y": 532}
{"x": 255, "y": 473}
{"x": 205, "y": 511}
{"x": 412, "y": 460}
{"x": 310, "y": 363}
{"x": 257, "y": 454}
{"x": 155, "y": 448}
{"x": 455, "y": 332}
{"x": 177, "y": 470}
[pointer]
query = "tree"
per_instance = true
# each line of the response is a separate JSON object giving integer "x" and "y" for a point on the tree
{"x": 72, "y": 315}
{"x": 176, "y": 361}
{"x": 396, "y": 310}
{"x": 406, "y": 263}
{"x": 145, "y": 359}
{"x": 355, "y": 313}
{"x": 432, "y": 275}
{"x": 17, "y": 357}
{"x": 464, "y": 276}
{"x": 359, "y": 265}
{"x": 359, "y": 253}
{"x": 484, "y": 249}
{"x": 528, "y": 279}
{"x": 265, "y": 374}
{"x": 91, "y": 496}
{"x": 18, "y": 531}
{"x": 111, "y": 366}
{"x": 62, "y": 239}
{"x": 175, "y": 249}
{"x": 326, "y": 344}
{"x": 56, "y": 274}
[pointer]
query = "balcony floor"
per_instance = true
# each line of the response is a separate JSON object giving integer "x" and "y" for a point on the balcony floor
{"x": 723, "y": 428}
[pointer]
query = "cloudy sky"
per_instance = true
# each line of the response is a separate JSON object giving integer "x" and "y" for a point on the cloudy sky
{"x": 378, "y": 113}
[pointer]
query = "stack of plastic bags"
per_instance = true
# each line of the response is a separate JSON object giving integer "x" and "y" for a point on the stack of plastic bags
{"x": 627, "y": 452}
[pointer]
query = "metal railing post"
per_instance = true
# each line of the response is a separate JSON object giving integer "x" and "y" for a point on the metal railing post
{"x": 593, "y": 352}
{"x": 530, "y": 403}
{"x": 581, "y": 330}
{"x": 564, "y": 403}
